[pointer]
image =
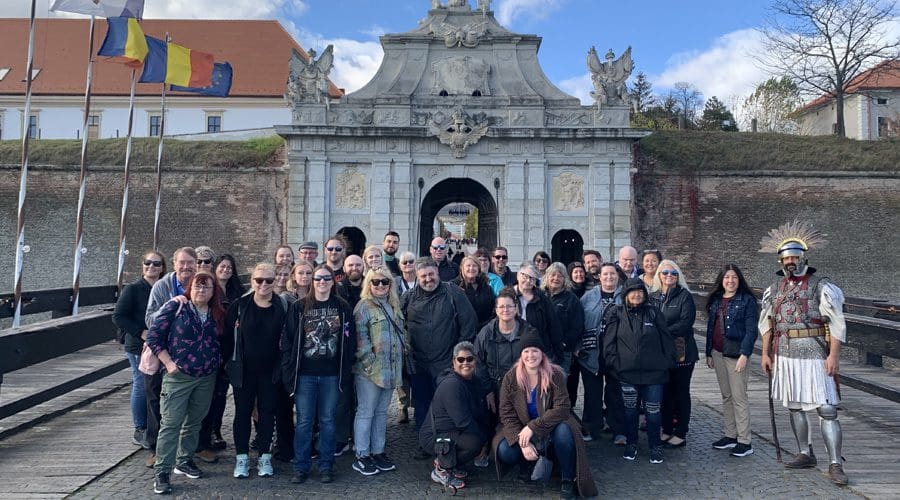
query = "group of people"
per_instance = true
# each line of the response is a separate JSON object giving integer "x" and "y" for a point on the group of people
{"x": 488, "y": 359}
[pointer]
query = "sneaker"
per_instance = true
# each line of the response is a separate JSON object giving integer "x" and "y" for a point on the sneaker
{"x": 326, "y": 476}
{"x": 341, "y": 448}
{"x": 138, "y": 439}
{"x": 161, "y": 484}
{"x": 567, "y": 489}
{"x": 656, "y": 456}
{"x": 151, "y": 460}
{"x": 383, "y": 463}
{"x": 365, "y": 466}
{"x": 208, "y": 456}
{"x": 217, "y": 443}
{"x": 299, "y": 477}
{"x": 742, "y": 450}
{"x": 725, "y": 443}
{"x": 483, "y": 461}
{"x": 264, "y": 465}
{"x": 444, "y": 478}
{"x": 630, "y": 452}
{"x": 242, "y": 465}
{"x": 189, "y": 469}
{"x": 620, "y": 440}
{"x": 586, "y": 435}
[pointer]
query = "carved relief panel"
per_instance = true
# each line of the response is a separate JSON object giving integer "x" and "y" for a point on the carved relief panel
{"x": 351, "y": 189}
{"x": 568, "y": 192}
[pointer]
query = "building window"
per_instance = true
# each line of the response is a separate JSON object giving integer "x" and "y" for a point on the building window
{"x": 33, "y": 127}
{"x": 213, "y": 123}
{"x": 93, "y": 127}
{"x": 887, "y": 127}
{"x": 3, "y": 73}
{"x": 881, "y": 100}
{"x": 34, "y": 74}
{"x": 155, "y": 125}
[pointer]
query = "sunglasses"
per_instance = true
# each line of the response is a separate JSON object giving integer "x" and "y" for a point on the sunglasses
{"x": 335, "y": 249}
{"x": 465, "y": 359}
{"x": 669, "y": 273}
{"x": 501, "y": 257}
{"x": 539, "y": 259}
{"x": 260, "y": 281}
{"x": 322, "y": 278}
{"x": 407, "y": 262}
{"x": 204, "y": 262}
{"x": 381, "y": 282}
{"x": 154, "y": 263}
{"x": 439, "y": 247}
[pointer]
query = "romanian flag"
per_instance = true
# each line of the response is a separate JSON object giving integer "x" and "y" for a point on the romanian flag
{"x": 124, "y": 39}
{"x": 171, "y": 63}
{"x": 221, "y": 82}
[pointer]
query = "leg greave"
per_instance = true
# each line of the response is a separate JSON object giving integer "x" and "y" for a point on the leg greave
{"x": 800, "y": 426}
{"x": 831, "y": 432}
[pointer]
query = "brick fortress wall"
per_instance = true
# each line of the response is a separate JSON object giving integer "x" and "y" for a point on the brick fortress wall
{"x": 705, "y": 219}
{"x": 237, "y": 211}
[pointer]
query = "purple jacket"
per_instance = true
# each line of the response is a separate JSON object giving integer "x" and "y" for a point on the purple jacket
{"x": 192, "y": 344}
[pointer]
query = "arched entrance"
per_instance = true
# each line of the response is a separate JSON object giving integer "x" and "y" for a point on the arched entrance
{"x": 356, "y": 240}
{"x": 567, "y": 246}
{"x": 459, "y": 190}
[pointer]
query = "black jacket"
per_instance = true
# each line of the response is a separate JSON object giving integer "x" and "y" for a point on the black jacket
{"x": 541, "y": 314}
{"x": 680, "y": 312}
{"x": 495, "y": 354}
{"x": 482, "y": 300}
{"x": 348, "y": 291}
{"x": 458, "y": 407}
{"x": 131, "y": 308}
{"x": 238, "y": 332}
{"x": 447, "y": 270}
{"x": 637, "y": 346}
{"x": 571, "y": 318}
{"x": 437, "y": 321}
{"x": 292, "y": 341}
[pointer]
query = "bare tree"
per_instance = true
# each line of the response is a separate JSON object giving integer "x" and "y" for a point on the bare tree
{"x": 823, "y": 44}
{"x": 688, "y": 100}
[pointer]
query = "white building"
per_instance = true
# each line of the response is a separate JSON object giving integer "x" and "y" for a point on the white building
{"x": 259, "y": 52}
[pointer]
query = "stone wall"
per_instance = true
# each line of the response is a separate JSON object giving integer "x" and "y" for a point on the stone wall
{"x": 238, "y": 211}
{"x": 703, "y": 219}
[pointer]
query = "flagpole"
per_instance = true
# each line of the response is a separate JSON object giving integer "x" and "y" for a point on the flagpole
{"x": 79, "y": 219}
{"x": 159, "y": 153}
{"x": 122, "y": 225}
{"x": 23, "y": 181}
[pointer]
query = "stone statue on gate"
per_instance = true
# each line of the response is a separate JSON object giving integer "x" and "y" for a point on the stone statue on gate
{"x": 609, "y": 78}
{"x": 308, "y": 80}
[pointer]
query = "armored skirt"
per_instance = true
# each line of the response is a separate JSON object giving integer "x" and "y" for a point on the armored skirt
{"x": 799, "y": 377}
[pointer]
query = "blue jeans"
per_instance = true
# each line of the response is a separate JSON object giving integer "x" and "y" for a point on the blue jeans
{"x": 370, "y": 425}
{"x": 561, "y": 450}
{"x": 651, "y": 394}
{"x": 422, "y": 386}
{"x": 138, "y": 398}
{"x": 315, "y": 397}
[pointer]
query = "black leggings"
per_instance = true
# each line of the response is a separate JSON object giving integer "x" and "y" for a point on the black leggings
{"x": 676, "y": 403}
{"x": 257, "y": 389}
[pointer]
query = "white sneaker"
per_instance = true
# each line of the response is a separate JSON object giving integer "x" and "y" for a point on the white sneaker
{"x": 242, "y": 465}
{"x": 264, "y": 465}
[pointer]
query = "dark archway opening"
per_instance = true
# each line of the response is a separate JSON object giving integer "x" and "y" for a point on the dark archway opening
{"x": 355, "y": 238}
{"x": 458, "y": 190}
{"x": 567, "y": 246}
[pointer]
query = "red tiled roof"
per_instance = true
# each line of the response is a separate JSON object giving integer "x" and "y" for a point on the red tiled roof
{"x": 885, "y": 75}
{"x": 259, "y": 52}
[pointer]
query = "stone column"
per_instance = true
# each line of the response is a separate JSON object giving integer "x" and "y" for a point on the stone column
{"x": 536, "y": 208}
{"x": 513, "y": 224}
{"x": 600, "y": 208}
{"x": 404, "y": 204}
{"x": 380, "y": 199}
{"x": 319, "y": 198}
{"x": 297, "y": 200}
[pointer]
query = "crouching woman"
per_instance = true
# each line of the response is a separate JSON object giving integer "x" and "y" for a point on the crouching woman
{"x": 536, "y": 419}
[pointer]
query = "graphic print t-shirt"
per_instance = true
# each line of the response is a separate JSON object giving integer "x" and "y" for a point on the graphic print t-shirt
{"x": 322, "y": 330}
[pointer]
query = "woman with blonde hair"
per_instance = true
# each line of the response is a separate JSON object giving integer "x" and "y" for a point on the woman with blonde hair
{"x": 299, "y": 281}
{"x": 380, "y": 344}
{"x": 373, "y": 257}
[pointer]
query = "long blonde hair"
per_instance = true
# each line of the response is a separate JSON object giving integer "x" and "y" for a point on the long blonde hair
{"x": 657, "y": 281}
{"x": 381, "y": 272}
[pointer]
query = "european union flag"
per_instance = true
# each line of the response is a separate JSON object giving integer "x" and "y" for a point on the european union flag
{"x": 221, "y": 82}
{"x": 156, "y": 61}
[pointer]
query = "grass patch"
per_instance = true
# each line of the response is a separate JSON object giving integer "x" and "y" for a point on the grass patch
{"x": 252, "y": 153}
{"x": 697, "y": 150}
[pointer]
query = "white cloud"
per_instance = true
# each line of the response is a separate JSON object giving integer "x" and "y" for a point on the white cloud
{"x": 725, "y": 69}
{"x": 508, "y": 10}
{"x": 355, "y": 61}
{"x": 580, "y": 87}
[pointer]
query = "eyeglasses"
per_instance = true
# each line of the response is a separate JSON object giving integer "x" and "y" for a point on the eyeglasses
{"x": 407, "y": 262}
{"x": 154, "y": 263}
{"x": 507, "y": 306}
{"x": 465, "y": 359}
{"x": 669, "y": 273}
{"x": 260, "y": 281}
{"x": 201, "y": 288}
{"x": 381, "y": 282}
{"x": 439, "y": 247}
{"x": 528, "y": 277}
{"x": 322, "y": 278}
{"x": 204, "y": 262}
{"x": 335, "y": 249}
{"x": 501, "y": 257}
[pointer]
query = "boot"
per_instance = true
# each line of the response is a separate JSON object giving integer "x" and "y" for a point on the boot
{"x": 836, "y": 474}
{"x": 802, "y": 461}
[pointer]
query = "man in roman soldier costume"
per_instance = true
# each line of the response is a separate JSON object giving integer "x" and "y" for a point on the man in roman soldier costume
{"x": 802, "y": 327}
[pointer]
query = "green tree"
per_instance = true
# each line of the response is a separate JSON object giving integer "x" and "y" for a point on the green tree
{"x": 773, "y": 104}
{"x": 717, "y": 117}
{"x": 642, "y": 93}
{"x": 471, "y": 230}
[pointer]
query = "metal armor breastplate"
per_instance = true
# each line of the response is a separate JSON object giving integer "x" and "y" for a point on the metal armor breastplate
{"x": 797, "y": 304}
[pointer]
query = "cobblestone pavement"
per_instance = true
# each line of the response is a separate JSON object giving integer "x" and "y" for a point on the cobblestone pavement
{"x": 696, "y": 471}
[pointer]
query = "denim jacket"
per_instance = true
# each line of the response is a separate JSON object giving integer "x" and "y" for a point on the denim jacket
{"x": 379, "y": 346}
{"x": 740, "y": 321}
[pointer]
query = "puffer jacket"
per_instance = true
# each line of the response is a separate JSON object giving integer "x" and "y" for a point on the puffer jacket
{"x": 740, "y": 321}
{"x": 379, "y": 343}
{"x": 680, "y": 312}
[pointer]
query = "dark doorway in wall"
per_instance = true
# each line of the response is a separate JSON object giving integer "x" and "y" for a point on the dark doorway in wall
{"x": 459, "y": 190}
{"x": 356, "y": 240}
{"x": 567, "y": 246}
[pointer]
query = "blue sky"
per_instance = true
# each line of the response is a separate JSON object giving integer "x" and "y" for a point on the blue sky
{"x": 703, "y": 42}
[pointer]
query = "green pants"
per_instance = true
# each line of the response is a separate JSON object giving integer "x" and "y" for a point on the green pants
{"x": 183, "y": 402}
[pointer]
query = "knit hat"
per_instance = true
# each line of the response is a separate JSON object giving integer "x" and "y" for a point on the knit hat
{"x": 530, "y": 338}
{"x": 311, "y": 245}
{"x": 634, "y": 284}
